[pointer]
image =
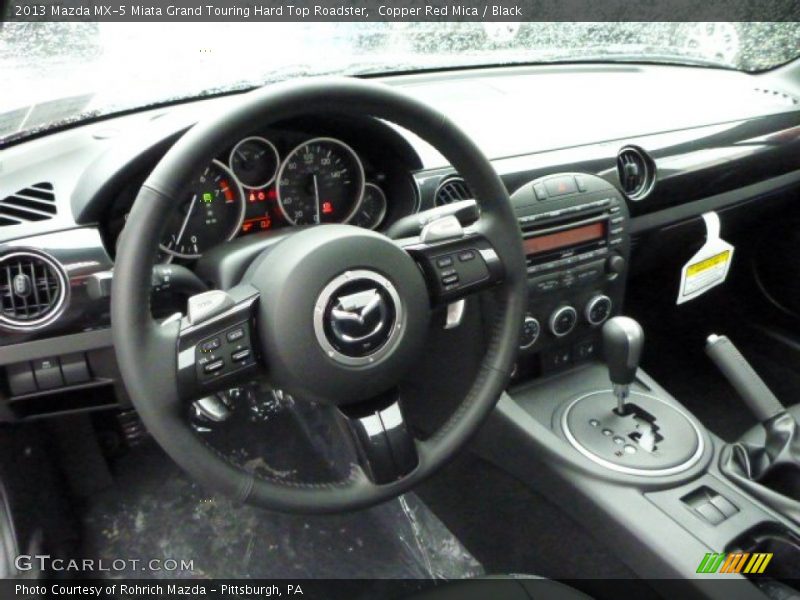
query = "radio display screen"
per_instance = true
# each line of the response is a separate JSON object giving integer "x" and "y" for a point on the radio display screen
{"x": 564, "y": 239}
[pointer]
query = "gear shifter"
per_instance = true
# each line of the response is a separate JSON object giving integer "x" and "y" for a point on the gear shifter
{"x": 623, "y": 340}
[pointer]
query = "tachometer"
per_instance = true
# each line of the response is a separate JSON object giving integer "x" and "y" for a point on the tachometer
{"x": 321, "y": 181}
{"x": 211, "y": 213}
{"x": 254, "y": 162}
{"x": 373, "y": 208}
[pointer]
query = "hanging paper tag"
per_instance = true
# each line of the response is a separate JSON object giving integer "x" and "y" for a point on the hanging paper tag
{"x": 709, "y": 267}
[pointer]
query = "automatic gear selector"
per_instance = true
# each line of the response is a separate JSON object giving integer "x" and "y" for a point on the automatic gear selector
{"x": 628, "y": 430}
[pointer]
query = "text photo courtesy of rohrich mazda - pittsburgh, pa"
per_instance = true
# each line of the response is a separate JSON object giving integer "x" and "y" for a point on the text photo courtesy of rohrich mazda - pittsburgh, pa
{"x": 399, "y": 300}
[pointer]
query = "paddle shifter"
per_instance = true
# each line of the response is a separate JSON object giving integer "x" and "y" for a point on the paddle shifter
{"x": 623, "y": 340}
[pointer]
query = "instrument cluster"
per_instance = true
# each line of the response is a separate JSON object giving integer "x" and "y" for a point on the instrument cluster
{"x": 268, "y": 181}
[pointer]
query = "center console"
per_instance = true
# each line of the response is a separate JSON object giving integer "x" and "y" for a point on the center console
{"x": 585, "y": 426}
{"x": 577, "y": 246}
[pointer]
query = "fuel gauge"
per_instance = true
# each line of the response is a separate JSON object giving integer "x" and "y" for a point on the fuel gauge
{"x": 373, "y": 208}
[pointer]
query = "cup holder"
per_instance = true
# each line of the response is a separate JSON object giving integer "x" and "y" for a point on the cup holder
{"x": 782, "y": 544}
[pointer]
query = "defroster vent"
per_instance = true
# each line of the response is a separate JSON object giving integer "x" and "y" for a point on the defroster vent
{"x": 34, "y": 203}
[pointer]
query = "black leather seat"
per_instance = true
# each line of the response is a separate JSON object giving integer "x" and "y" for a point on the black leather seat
{"x": 506, "y": 587}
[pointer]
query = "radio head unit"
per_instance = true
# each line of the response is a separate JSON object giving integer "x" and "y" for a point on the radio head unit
{"x": 575, "y": 236}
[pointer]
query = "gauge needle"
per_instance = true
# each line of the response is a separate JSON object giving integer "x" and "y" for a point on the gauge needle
{"x": 316, "y": 195}
{"x": 186, "y": 220}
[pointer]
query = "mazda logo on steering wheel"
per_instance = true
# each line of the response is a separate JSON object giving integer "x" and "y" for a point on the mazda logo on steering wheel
{"x": 358, "y": 317}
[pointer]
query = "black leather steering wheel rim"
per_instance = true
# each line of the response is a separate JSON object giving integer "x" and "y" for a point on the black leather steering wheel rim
{"x": 144, "y": 346}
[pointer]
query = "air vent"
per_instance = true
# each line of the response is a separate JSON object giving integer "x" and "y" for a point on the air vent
{"x": 33, "y": 290}
{"x": 637, "y": 172}
{"x": 34, "y": 203}
{"x": 451, "y": 189}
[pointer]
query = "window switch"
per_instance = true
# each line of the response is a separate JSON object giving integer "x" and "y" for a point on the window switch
{"x": 710, "y": 513}
{"x": 724, "y": 505}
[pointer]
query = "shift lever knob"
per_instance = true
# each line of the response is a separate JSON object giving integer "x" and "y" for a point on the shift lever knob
{"x": 623, "y": 340}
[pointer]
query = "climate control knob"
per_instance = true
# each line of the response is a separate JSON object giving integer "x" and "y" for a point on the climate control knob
{"x": 563, "y": 321}
{"x": 598, "y": 309}
{"x": 530, "y": 332}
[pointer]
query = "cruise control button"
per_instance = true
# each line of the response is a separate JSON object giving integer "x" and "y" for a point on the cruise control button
{"x": 214, "y": 366}
{"x": 444, "y": 261}
{"x": 466, "y": 255}
{"x": 450, "y": 279}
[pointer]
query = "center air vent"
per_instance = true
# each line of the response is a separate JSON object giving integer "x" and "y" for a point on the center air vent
{"x": 33, "y": 290}
{"x": 637, "y": 172}
{"x": 34, "y": 203}
{"x": 452, "y": 189}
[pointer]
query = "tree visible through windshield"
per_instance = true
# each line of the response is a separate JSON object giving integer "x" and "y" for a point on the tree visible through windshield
{"x": 67, "y": 71}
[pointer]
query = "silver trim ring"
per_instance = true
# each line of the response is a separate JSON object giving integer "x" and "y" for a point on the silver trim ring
{"x": 58, "y": 307}
{"x": 590, "y": 306}
{"x": 555, "y": 316}
{"x": 322, "y": 302}
{"x": 242, "y": 211}
{"x": 527, "y": 319}
{"x": 330, "y": 140}
{"x": 384, "y": 201}
{"x": 631, "y": 470}
{"x": 263, "y": 140}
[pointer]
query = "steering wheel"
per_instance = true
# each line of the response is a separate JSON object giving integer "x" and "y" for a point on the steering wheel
{"x": 332, "y": 313}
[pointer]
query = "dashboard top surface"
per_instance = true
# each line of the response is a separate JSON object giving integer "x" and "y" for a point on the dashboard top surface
{"x": 513, "y": 111}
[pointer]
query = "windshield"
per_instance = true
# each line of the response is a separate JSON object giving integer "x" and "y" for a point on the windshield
{"x": 68, "y": 71}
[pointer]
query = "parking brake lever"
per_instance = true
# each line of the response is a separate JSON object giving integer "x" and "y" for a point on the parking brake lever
{"x": 755, "y": 393}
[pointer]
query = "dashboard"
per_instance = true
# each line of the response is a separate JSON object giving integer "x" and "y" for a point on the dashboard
{"x": 729, "y": 142}
{"x": 278, "y": 178}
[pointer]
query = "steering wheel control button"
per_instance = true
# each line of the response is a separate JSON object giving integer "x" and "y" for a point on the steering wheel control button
{"x": 445, "y": 228}
{"x": 240, "y": 355}
{"x": 235, "y": 334}
{"x": 202, "y": 307}
{"x": 466, "y": 255}
{"x": 210, "y": 345}
{"x": 563, "y": 321}
{"x": 214, "y": 366}
{"x": 226, "y": 352}
{"x": 444, "y": 261}
{"x": 598, "y": 309}
{"x": 530, "y": 332}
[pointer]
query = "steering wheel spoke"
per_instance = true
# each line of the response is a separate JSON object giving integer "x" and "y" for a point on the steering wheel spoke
{"x": 386, "y": 449}
{"x": 217, "y": 344}
{"x": 456, "y": 261}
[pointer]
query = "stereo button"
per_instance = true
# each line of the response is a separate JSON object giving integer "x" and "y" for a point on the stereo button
{"x": 560, "y": 186}
{"x": 563, "y": 321}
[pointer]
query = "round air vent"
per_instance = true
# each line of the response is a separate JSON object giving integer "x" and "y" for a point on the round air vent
{"x": 451, "y": 189}
{"x": 637, "y": 172}
{"x": 33, "y": 290}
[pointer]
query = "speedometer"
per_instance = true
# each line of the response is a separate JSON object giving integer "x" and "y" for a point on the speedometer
{"x": 211, "y": 213}
{"x": 321, "y": 181}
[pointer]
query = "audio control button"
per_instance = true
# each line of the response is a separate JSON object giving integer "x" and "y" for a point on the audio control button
{"x": 563, "y": 321}
{"x": 598, "y": 309}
